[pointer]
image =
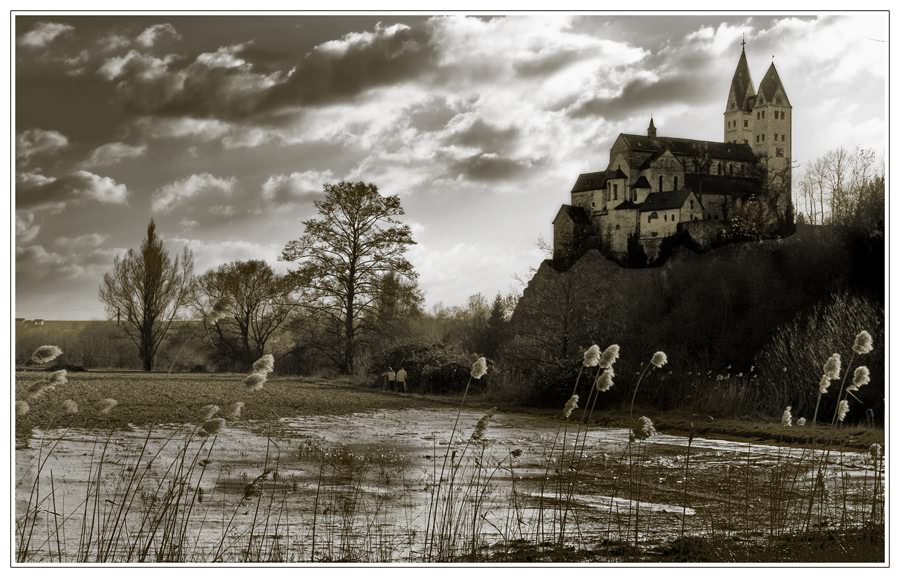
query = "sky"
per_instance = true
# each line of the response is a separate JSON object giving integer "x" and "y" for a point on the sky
{"x": 224, "y": 128}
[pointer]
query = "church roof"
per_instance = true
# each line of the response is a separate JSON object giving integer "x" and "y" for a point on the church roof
{"x": 641, "y": 183}
{"x": 665, "y": 200}
{"x": 721, "y": 185}
{"x": 741, "y": 84}
{"x": 770, "y": 84}
{"x": 689, "y": 147}
{"x": 625, "y": 205}
{"x": 591, "y": 181}
{"x": 578, "y": 215}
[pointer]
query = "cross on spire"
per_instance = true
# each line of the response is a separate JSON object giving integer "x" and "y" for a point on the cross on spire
{"x": 743, "y": 42}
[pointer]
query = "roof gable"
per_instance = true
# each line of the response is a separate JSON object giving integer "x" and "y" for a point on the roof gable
{"x": 591, "y": 181}
{"x": 721, "y": 185}
{"x": 576, "y": 214}
{"x": 666, "y": 200}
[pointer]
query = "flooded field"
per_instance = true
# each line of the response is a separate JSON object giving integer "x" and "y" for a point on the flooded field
{"x": 383, "y": 486}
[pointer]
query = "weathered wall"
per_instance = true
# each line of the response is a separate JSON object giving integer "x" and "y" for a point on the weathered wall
{"x": 563, "y": 237}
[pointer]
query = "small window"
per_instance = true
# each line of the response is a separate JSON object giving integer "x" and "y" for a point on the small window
{"x": 746, "y": 141}
{"x": 763, "y": 137}
{"x": 617, "y": 227}
{"x": 615, "y": 189}
{"x": 746, "y": 123}
{"x": 660, "y": 183}
{"x": 675, "y": 186}
{"x": 764, "y": 114}
{"x": 692, "y": 205}
{"x": 720, "y": 169}
{"x": 593, "y": 204}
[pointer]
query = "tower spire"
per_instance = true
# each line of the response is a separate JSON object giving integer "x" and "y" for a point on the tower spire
{"x": 651, "y": 130}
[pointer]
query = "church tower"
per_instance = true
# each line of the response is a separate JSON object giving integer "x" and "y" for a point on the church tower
{"x": 739, "y": 106}
{"x": 772, "y": 124}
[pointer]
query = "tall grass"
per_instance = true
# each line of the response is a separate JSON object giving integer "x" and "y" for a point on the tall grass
{"x": 148, "y": 498}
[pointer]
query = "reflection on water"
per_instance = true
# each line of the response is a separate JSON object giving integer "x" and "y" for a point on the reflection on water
{"x": 359, "y": 487}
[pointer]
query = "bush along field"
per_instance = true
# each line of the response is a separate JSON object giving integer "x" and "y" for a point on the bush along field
{"x": 256, "y": 468}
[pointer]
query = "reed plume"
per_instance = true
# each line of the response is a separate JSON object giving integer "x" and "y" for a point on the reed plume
{"x": 104, "y": 406}
{"x": 255, "y": 381}
{"x": 265, "y": 364}
{"x": 45, "y": 354}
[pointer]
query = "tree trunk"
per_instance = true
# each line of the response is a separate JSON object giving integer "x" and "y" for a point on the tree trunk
{"x": 348, "y": 336}
{"x": 147, "y": 348}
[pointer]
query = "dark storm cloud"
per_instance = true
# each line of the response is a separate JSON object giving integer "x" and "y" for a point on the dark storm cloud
{"x": 486, "y": 137}
{"x": 227, "y": 84}
{"x": 488, "y": 168}
{"x": 642, "y": 95}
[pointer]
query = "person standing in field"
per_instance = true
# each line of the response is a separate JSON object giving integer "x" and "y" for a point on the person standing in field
{"x": 401, "y": 379}
{"x": 389, "y": 378}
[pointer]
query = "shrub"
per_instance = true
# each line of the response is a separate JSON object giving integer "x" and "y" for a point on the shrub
{"x": 790, "y": 365}
{"x": 430, "y": 368}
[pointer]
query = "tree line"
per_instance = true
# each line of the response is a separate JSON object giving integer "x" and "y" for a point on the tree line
{"x": 350, "y": 295}
{"x": 843, "y": 188}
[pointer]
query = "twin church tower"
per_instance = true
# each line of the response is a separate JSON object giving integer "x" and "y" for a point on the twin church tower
{"x": 656, "y": 186}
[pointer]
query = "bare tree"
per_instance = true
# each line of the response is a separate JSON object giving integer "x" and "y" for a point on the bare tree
{"x": 146, "y": 290}
{"x": 344, "y": 253}
{"x": 837, "y": 185}
{"x": 242, "y": 304}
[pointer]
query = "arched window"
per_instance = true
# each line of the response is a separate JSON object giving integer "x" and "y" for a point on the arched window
{"x": 675, "y": 186}
{"x": 660, "y": 183}
{"x": 719, "y": 171}
{"x": 692, "y": 205}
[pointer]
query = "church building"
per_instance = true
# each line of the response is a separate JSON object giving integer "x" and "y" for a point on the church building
{"x": 655, "y": 186}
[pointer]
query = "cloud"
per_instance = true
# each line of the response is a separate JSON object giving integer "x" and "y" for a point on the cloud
{"x": 26, "y": 229}
{"x": 488, "y": 167}
{"x": 113, "y": 153}
{"x": 224, "y": 211}
{"x": 203, "y": 129}
{"x": 225, "y": 84}
{"x": 44, "y": 33}
{"x": 225, "y": 57}
{"x": 38, "y": 263}
{"x": 168, "y": 197}
{"x": 483, "y": 136}
{"x": 144, "y": 67}
{"x": 209, "y": 254}
{"x": 88, "y": 241}
{"x": 35, "y": 191}
{"x": 642, "y": 94}
{"x": 295, "y": 187}
{"x": 38, "y": 142}
{"x": 153, "y": 34}
{"x": 75, "y": 258}
{"x": 113, "y": 42}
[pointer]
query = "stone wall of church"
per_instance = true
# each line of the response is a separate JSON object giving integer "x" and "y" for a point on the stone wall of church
{"x": 619, "y": 225}
{"x": 563, "y": 237}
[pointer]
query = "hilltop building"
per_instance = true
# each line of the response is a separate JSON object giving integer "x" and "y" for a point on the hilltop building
{"x": 655, "y": 186}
